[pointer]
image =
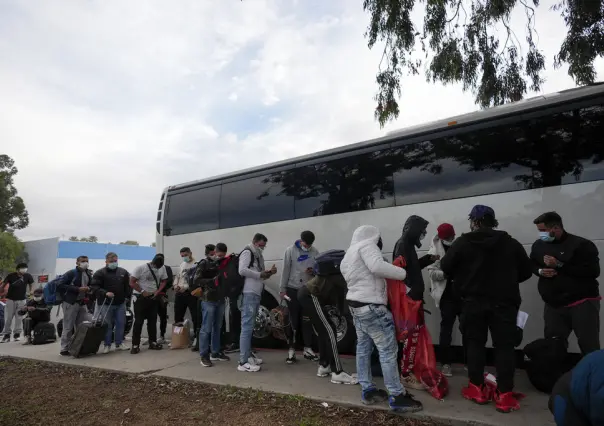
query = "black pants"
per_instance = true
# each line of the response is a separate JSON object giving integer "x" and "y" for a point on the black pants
{"x": 477, "y": 319}
{"x": 583, "y": 319}
{"x": 182, "y": 302}
{"x": 450, "y": 310}
{"x": 299, "y": 319}
{"x": 162, "y": 312}
{"x": 328, "y": 341}
{"x": 28, "y": 326}
{"x": 233, "y": 334}
{"x": 145, "y": 309}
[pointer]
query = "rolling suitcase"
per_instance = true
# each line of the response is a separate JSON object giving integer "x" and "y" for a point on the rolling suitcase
{"x": 88, "y": 336}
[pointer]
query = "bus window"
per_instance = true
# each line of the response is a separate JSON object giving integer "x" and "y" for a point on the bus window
{"x": 192, "y": 211}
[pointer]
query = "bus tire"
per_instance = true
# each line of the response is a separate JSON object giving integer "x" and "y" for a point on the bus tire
{"x": 263, "y": 336}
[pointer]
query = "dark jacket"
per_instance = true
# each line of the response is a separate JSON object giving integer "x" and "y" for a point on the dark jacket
{"x": 170, "y": 280}
{"x": 213, "y": 287}
{"x": 205, "y": 273}
{"x": 487, "y": 265}
{"x": 405, "y": 246}
{"x": 576, "y": 279}
{"x": 329, "y": 290}
{"x": 70, "y": 285}
{"x": 41, "y": 313}
{"x": 115, "y": 281}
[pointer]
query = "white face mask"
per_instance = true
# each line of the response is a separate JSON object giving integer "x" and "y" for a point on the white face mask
{"x": 38, "y": 299}
{"x": 447, "y": 243}
{"x": 22, "y": 270}
{"x": 84, "y": 265}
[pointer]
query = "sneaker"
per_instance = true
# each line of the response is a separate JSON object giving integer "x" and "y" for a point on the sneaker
{"x": 506, "y": 402}
{"x": 411, "y": 382}
{"x": 155, "y": 346}
{"x": 135, "y": 350}
{"x": 291, "y": 356}
{"x": 219, "y": 357}
{"x": 373, "y": 395}
{"x": 161, "y": 340}
{"x": 405, "y": 403}
{"x": 247, "y": 367}
{"x": 106, "y": 349}
{"x": 206, "y": 362}
{"x": 323, "y": 371}
{"x": 343, "y": 378}
{"x": 447, "y": 370}
{"x": 6, "y": 338}
{"x": 17, "y": 337}
{"x": 255, "y": 360}
{"x": 122, "y": 347}
{"x": 27, "y": 341}
{"x": 478, "y": 394}
{"x": 145, "y": 342}
{"x": 231, "y": 348}
{"x": 64, "y": 353}
{"x": 310, "y": 355}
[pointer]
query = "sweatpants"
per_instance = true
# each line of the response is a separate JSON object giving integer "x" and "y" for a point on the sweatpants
{"x": 299, "y": 318}
{"x": 583, "y": 319}
{"x": 328, "y": 342}
{"x": 73, "y": 316}
{"x": 162, "y": 313}
{"x": 145, "y": 309}
{"x": 477, "y": 319}
{"x": 11, "y": 311}
{"x": 182, "y": 302}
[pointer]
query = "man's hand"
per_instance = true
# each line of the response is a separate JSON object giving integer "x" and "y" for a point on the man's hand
{"x": 550, "y": 260}
{"x": 548, "y": 273}
{"x": 265, "y": 275}
{"x": 146, "y": 293}
{"x": 157, "y": 293}
{"x": 273, "y": 270}
{"x": 31, "y": 308}
{"x": 434, "y": 257}
{"x": 109, "y": 295}
{"x": 283, "y": 295}
{"x": 84, "y": 289}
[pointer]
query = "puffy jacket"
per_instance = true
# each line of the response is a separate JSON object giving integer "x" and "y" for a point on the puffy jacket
{"x": 295, "y": 262}
{"x": 365, "y": 270}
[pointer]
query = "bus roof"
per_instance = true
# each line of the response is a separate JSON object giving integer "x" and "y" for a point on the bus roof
{"x": 513, "y": 108}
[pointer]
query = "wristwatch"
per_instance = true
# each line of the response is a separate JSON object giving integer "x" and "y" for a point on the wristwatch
{"x": 559, "y": 264}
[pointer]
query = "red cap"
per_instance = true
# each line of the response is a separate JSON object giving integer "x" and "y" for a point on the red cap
{"x": 445, "y": 231}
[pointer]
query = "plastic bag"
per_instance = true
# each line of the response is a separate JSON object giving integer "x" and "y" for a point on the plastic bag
{"x": 405, "y": 311}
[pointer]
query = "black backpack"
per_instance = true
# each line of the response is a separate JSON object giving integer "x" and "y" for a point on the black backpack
{"x": 43, "y": 333}
{"x": 546, "y": 362}
{"x": 229, "y": 275}
{"x": 328, "y": 262}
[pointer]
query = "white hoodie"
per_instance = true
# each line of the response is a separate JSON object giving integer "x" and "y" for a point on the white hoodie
{"x": 365, "y": 270}
{"x": 438, "y": 281}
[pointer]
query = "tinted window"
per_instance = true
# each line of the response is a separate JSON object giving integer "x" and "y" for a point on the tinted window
{"x": 192, "y": 211}
{"x": 350, "y": 184}
{"x": 257, "y": 200}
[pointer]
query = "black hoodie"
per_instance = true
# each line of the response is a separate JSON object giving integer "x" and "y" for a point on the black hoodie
{"x": 414, "y": 227}
{"x": 487, "y": 265}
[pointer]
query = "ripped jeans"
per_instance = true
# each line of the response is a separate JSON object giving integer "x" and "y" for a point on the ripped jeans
{"x": 374, "y": 325}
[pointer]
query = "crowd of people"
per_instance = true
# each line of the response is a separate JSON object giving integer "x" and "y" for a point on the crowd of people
{"x": 474, "y": 278}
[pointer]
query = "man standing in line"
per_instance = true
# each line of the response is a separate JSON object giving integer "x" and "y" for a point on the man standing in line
{"x": 74, "y": 286}
{"x": 183, "y": 299}
{"x": 162, "y": 304}
{"x": 147, "y": 281}
{"x": 111, "y": 288}
{"x": 298, "y": 262}
{"x": 251, "y": 266}
{"x": 17, "y": 285}
{"x": 568, "y": 267}
{"x": 487, "y": 267}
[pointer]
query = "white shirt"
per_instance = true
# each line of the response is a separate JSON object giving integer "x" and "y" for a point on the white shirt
{"x": 145, "y": 277}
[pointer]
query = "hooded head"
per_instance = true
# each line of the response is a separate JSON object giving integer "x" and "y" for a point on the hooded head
{"x": 415, "y": 230}
{"x": 365, "y": 234}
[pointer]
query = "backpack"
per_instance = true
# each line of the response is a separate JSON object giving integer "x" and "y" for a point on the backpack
{"x": 230, "y": 277}
{"x": 546, "y": 362}
{"x": 190, "y": 277}
{"x": 52, "y": 297}
{"x": 328, "y": 262}
{"x": 43, "y": 333}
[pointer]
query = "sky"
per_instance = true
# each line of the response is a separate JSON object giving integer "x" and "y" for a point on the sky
{"x": 105, "y": 103}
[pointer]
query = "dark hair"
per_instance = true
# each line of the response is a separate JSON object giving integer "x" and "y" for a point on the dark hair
{"x": 259, "y": 237}
{"x": 185, "y": 250}
{"x": 210, "y": 248}
{"x": 308, "y": 237}
{"x": 487, "y": 221}
{"x": 21, "y": 265}
{"x": 549, "y": 219}
{"x": 81, "y": 257}
{"x": 110, "y": 255}
{"x": 160, "y": 255}
{"x": 221, "y": 247}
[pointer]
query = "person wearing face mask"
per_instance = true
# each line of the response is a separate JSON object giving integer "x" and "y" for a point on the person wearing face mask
{"x": 568, "y": 267}
{"x": 183, "y": 299}
{"x": 298, "y": 262}
{"x": 148, "y": 282}
{"x": 162, "y": 303}
{"x": 111, "y": 286}
{"x": 443, "y": 294}
{"x": 15, "y": 286}
{"x": 487, "y": 267}
{"x": 37, "y": 311}
{"x": 205, "y": 269}
{"x": 251, "y": 267}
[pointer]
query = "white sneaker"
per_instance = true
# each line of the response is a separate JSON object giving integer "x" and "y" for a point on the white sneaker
{"x": 122, "y": 347}
{"x": 447, "y": 370}
{"x": 161, "y": 341}
{"x": 310, "y": 355}
{"x": 249, "y": 368}
{"x": 344, "y": 379}
{"x": 291, "y": 356}
{"x": 254, "y": 360}
{"x": 27, "y": 341}
{"x": 106, "y": 349}
{"x": 323, "y": 371}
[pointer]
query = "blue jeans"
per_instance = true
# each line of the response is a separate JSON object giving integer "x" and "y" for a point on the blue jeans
{"x": 249, "y": 310}
{"x": 374, "y": 325}
{"x": 213, "y": 314}
{"x": 116, "y": 315}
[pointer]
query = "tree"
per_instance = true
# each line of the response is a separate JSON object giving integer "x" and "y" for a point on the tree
{"x": 153, "y": 244}
{"x": 13, "y": 214}
{"x": 12, "y": 251}
{"x": 74, "y": 239}
{"x": 91, "y": 239}
{"x": 460, "y": 43}
{"x": 130, "y": 243}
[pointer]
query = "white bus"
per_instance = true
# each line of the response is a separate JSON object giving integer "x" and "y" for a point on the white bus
{"x": 525, "y": 158}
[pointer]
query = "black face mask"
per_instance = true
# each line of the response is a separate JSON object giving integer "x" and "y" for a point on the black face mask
{"x": 380, "y": 244}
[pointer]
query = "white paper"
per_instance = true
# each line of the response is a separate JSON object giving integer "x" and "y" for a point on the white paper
{"x": 521, "y": 319}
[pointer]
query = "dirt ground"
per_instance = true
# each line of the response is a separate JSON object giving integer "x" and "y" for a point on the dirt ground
{"x": 36, "y": 393}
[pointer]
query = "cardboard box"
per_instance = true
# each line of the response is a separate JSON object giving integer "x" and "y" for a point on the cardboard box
{"x": 180, "y": 336}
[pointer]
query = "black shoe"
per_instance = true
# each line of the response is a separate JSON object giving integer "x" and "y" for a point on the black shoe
{"x": 231, "y": 348}
{"x": 16, "y": 337}
{"x": 219, "y": 357}
{"x": 155, "y": 346}
{"x": 405, "y": 403}
{"x": 206, "y": 362}
{"x": 6, "y": 338}
{"x": 374, "y": 396}
{"x": 135, "y": 350}
{"x": 65, "y": 353}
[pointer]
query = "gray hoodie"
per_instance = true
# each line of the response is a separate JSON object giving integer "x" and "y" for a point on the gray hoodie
{"x": 296, "y": 261}
{"x": 253, "y": 281}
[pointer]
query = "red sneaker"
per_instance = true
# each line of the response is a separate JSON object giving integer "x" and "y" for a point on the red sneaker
{"x": 506, "y": 402}
{"x": 478, "y": 394}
